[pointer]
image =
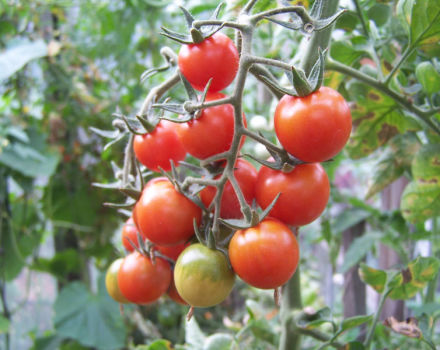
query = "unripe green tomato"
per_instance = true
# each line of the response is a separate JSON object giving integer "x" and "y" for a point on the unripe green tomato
{"x": 428, "y": 77}
{"x": 202, "y": 276}
{"x": 111, "y": 282}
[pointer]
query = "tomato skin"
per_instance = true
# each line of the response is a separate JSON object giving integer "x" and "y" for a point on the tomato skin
{"x": 174, "y": 294}
{"x": 163, "y": 215}
{"x": 157, "y": 148}
{"x": 313, "y": 128}
{"x": 129, "y": 232}
{"x": 172, "y": 251}
{"x": 304, "y": 193}
{"x": 212, "y": 132}
{"x": 246, "y": 176}
{"x": 216, "y": 57}
{"x": 202, "y": 276}
{"x": 111, "y": 282}
{"x": 264, "y": 256}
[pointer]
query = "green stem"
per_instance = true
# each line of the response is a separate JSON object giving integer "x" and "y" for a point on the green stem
{"x": 423, "y": 115}
{"x": 396, "y": 67}
{"x": 432, "y": 286}
{"x": 361, "y": 17}
{"x": 370, "y": 334}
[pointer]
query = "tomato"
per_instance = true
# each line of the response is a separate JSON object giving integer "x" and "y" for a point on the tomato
{"x": 216, "y": 57}
{"x": 313, "y": 128}
{"x": 163, "y": 215}
{"x": 157, "y": 148}
{"x": 111, "y": 282}
{"x": 304, "y": 193}
{"x": 246, "y": 176}
{"x": 202, "y": 276}
{"x": 141, "y": 281}
{"x": 212, "y": 132}
{"x": 129, "y": 232}
{"x": 172, "y": 251}
{"x": 264, "y": 256}
{"x": 174, "y": 294}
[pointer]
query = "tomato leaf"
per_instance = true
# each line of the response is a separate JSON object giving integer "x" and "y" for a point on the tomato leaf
{"x": 315, "y": 319}
{"x": 353, "y": 322}
{"x": 194, "y": 337}
{"x": 160, "y": 344}
{"x": 358, "y": 249}
{"x": 373, "y": 277}
{"x": 353, "y": 345}
{"x": 92, "y": 320}
{"x": 218, "y": 341}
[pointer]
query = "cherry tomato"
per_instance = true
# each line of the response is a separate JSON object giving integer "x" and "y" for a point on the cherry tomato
{"x": 313, "y": 128}
{"x": 111, "y": 282}
{"x": 216, "y": 57}
{"x": 212, "y": 132}
{"x": 174, "y": 294}
{"x": 141, "y": 281}
{"x": 157, "y": 148}
{"x": 163, "y": 215}
{"x": 264, "y": 256}
{"x": 246, "y": 176}
{"x": 129, "y": 233}
{"x": 202, "y": 276}
{"x": 304, "y": 193}
{"x": 172, "y": 251}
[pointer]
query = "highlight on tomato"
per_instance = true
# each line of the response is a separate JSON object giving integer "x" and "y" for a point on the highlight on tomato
{"x": 304, "y": 193}
{"x": 142, "y": 282}
{"x": 163, "y": 215}
{"x": 111, "y": 282}
{"x": 212, "y": 132}
{"x": 156, "y": 149}
{"x": 202, "y": 276}
{"x": 215, "y": 57}
{"x": 313, "y": 128}
{"x": 246, "y": 176}
{"x": 266, "y": 255}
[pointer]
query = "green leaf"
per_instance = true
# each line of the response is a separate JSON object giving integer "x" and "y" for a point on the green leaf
{"x": 394, "y": 161}
{"x": 49, "y": 342}
{"x": 161, "y": 344}
{"x": 359, "y": 249}
{"x": 353, "y": 345}
{"x": 15, "y": 58}
{"x": 218, "y": 341}
{"x": 421, "y": 198}
{"x": 428, "y": 77}
{"x": 92, "y": 320}
{"x": 4, "y": 324}
{"x": 316, "y": 319}
{"x": 194, "y": 336}
{"x": 419, "y": 272}
{"x": 348, "y": 218}
{"x": 344, "y": 52}
{"x": 376, "y": 119}
{"x": 62, "y": 263}
{"x": 373, "y": 277}
{"x": 356, "y": 321}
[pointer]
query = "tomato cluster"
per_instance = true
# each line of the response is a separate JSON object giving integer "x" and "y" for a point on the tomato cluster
{"x": 312, "y": 129}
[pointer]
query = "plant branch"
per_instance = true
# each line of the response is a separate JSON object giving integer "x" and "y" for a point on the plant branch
{"x": 370, "y": 334}
{"x": 260, "y": 71}
{"x": 270, "y": 62}
{"x": 361, "y": 17}
{"x": 213, "y": 22}
{"x": 396, "y": 67}
{"x": 244, "y": 206}
{"x": 299, "y": 10}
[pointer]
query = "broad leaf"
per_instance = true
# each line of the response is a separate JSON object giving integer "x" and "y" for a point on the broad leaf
{"x": 359, "y": 249}
{"x": 373, "y": 277}
{"x": 194, "y": 336}
{"x": 317, "y": 318}
{"x": 92, "y": 320}
{"x": 218, "y": 341}
{"x": 348, "y": 218}
{"x": 356, "y": 321}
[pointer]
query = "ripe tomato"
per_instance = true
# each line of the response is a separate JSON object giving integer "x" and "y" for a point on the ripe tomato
{"x": 202, "y": 276}
{"x": 129, "y": 232}
{"x": 158, "y": 147}
{"x": 174, "y": 294}
{"x": 141, "y": 281}
{"x": 172, "y": 251}
{"x": 212, "y": 132}
{"x": 304, "y": 193}
{"x": 246, "y": 176}
{"x": 313, "y": 128}
{"x": 163, "y": 215}
{"x": 216, "y": 57}
{"x": 111, "y": 282}
{"x": 264, "y": 256}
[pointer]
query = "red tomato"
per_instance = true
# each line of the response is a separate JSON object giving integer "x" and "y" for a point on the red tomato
{"x": 264, "y": 256}
{"x": 216, "y": 57}
{"x": 129, "y": 232}
{"x": 246, "y": 176}
{"x": 163, "y": 215}
{"x": 313, "y": 128}
{"x": 212, "y": 132}
{"x": 141, "y": 281}
{"x": 172, "y": 251}
{"x": 158, "y": 147}
{"x": 174, "y": 294}
{"x": 304, "y": 193}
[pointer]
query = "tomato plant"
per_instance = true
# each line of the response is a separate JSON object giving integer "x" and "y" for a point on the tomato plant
{"x": 304, "y": 192}
{"x": 212, "y": 132}
{"x": 215, "y": 57}
{"x": 163, "y": 215}
{"x": 141, "y": 281}
{"x": 129, "y": 233}
{"x": 111, "y": 281}
{"x": 313, "y": 128}
{"x": 156, "y": 149}
{"x": 266, "y": 255}
{"x": 246, "y": 176}
{"x": 202, "y": 276}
